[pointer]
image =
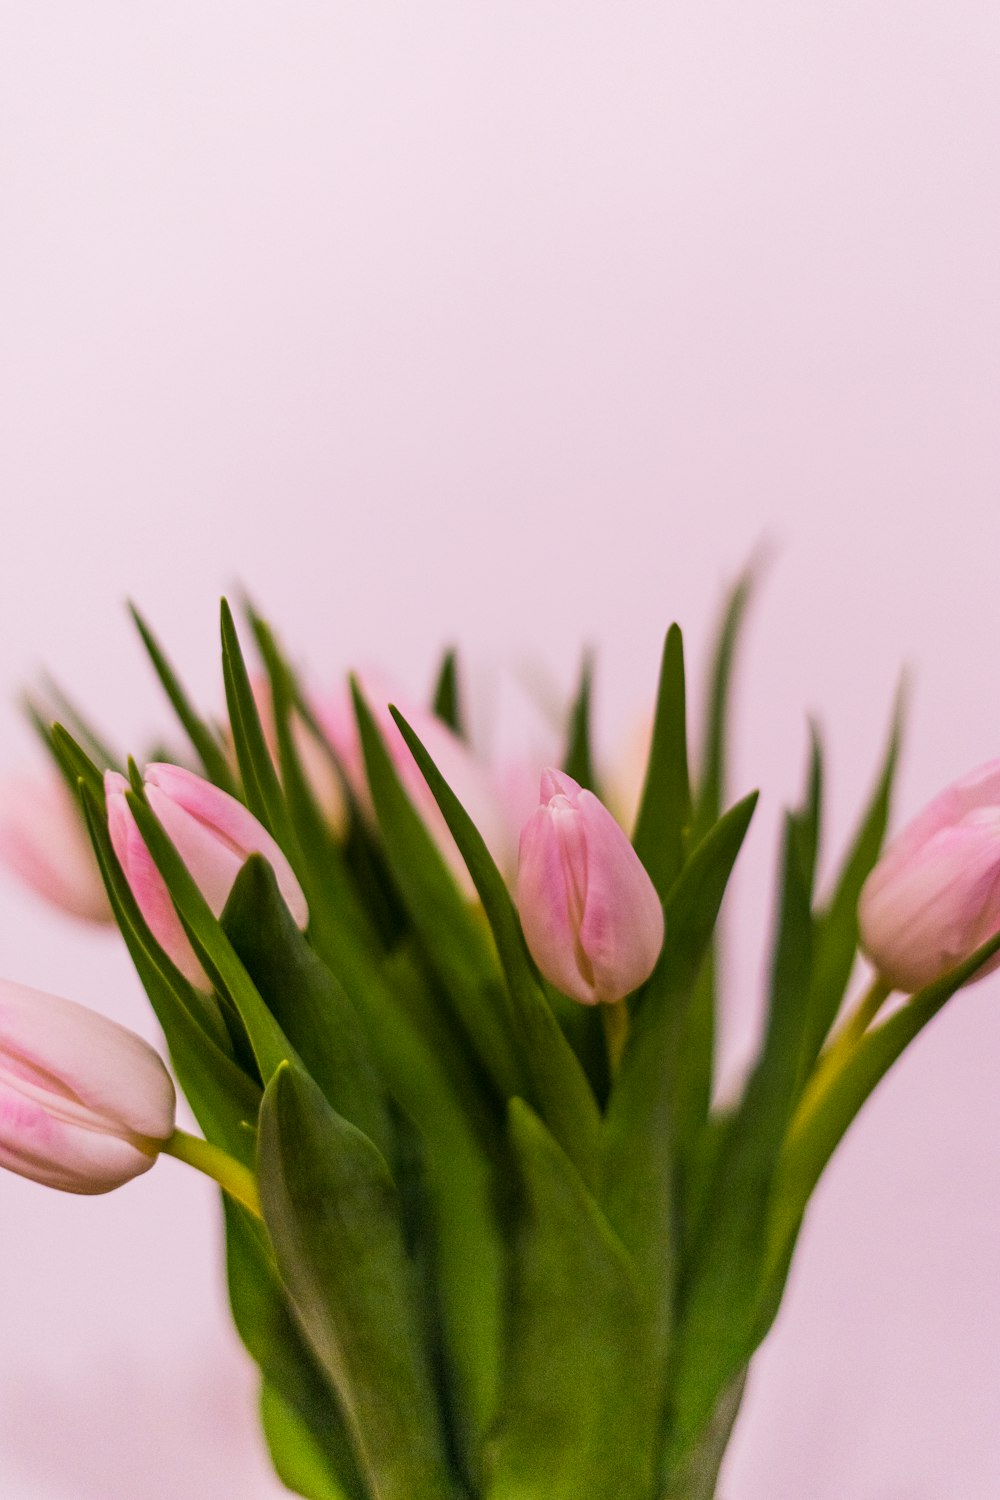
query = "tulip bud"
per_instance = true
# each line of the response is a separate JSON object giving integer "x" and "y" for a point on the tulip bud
{"x": 84, "y": 1103}
{"x": 470, "y": 780}
{"x": 591, "y": 916}
{"x": 214, "y": 835}
{"x": 43, "y": 840}
{"x": 934, "y": 896}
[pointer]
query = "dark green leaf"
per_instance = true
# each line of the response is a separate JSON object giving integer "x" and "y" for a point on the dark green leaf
{"x": 718, "y": 1316}
{"x": 447, "y": 701}
{"x": 224, "y": 1099}
{"x": 264, "y": 795}
{"x": 665, "y": 807}
{"x": 808, "y": 820}
{"x": 270, "y": 1046}
{"x": 333, "y": 1216}
{"x": 578, "y": 760}
{"x": 715, "y": 744}
{"x": 308, "y": 1003}
{"x": 639, "y": 1128}
{"x": 577, "y": 1418}
{"x": 203, "y": 737}
{"x": 559, "y": 1087}
{"x": 456, "y": 945}
{"x": 339, "y": 925}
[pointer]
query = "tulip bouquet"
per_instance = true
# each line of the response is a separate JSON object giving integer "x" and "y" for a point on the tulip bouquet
{"x": 489, "y": 1234}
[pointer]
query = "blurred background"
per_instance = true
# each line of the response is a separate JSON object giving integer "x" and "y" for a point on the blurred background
{"x": 521, "y": 326}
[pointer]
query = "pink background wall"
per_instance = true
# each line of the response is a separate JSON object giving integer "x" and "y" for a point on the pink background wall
{"x": 521, "y": 325}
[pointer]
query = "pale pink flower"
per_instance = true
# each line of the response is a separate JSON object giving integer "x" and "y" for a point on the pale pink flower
{"x": 43, "y": 840}
{"x": 934, "y": 896}
{"x": 590, "y": 913}
{"x": 214, "y": 835}
{"x": 84, "y": 1103}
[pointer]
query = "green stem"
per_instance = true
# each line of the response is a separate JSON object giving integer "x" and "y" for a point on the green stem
{"x": 231, "y": 1175}
{"x": 838, "y": 1053}
{"x": 616, "y": 1025}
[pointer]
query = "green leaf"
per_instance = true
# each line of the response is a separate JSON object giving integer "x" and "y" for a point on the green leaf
{"x": 697, "y": 1043}
{"x": 333, "y": 1216}
{"x": 270, "y": 1046}
{"x": 461, "y": 1140}
{"x": 808, "y": 819}
{"x": 295, "y": 1450}
{"x": 264, "y": 795}
{"x": 76, "y": 765}
{"x": 576, "y": 1418}
{"x": 447, "y": 703}
{"x": 309, "y": 1005}
{"x": 456, "y": 945}
{"x": 339, "y": 925}
{"x": 559, "y": 1087}
{"x": 715, "y": 743}
{"x": 836, "y": 938}
{"x": 303, "y": 1420}
{"x": 665, "y": 806}
{"x": 578, "y": 760}
{"x": 639, "y": 1135}
{"x": 225, "y": 1101}
{"x": 203, "y": 737}
{"x": 90, "y": 740}
{"x": 718, "y": 1314}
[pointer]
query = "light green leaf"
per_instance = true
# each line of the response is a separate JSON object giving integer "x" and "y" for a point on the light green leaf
{"x": 577, "y": 1416}
{"x": 836, "y": 938}
{"x": 333, "y": 1216}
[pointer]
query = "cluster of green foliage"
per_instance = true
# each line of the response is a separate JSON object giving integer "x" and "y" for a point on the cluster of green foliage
{"x": 496, "y": 1263}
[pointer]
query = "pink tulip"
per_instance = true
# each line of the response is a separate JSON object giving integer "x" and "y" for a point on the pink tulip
{"x": 470, "y": 780}
{"x": 934, "y": 896}
{"x": 43, "y": 840}
{"x": 591, "y": 916}
{"x": 84, "y": 1103}
{"x": 214, "y": 835}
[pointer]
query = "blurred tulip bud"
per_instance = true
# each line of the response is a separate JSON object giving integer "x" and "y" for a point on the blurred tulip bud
{"x": 84, "y": 1103}
{"x": 213, "y": 834}
{"x": 43, "y": 840}
{"x": 470, "y": 780}
{"x": 934, "y": 896}
{"x": 591, "y": 916}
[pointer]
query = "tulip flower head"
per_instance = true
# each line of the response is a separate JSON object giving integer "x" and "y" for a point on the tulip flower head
{"x": 934, "y": 897}
{"x": 212, "y": 832}
{"x": 590, "y": 913}
{"x": 85, "y": 1104}
{"x": 43, "y": 840}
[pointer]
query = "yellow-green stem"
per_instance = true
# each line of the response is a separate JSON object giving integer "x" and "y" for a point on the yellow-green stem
{"x": 839, "y": 1050}
{"x": 615, "y": 1017}
{"x": 231, "y": 1175}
